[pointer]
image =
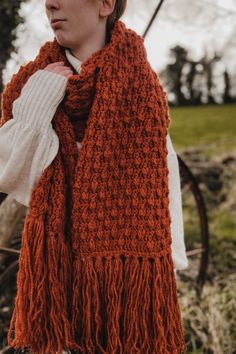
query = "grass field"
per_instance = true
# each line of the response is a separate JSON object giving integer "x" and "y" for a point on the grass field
{"x": 212, "y": 126}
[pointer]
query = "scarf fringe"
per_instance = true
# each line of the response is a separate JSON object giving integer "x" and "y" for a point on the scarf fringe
{"x": 123, "y": 303}
{"x": 40, "y": 316}
{"x": 126, "y": 304}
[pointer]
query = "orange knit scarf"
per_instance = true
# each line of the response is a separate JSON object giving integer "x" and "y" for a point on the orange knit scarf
{"x": 95, "y": 270}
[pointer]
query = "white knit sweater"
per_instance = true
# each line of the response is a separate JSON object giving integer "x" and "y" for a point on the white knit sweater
{"x": 28, "y": 144}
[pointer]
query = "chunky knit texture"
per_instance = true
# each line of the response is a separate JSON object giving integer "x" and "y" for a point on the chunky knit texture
{"x": 95, "y": 270}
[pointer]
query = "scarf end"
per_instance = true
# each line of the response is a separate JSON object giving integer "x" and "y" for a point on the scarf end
{"x": 40, "y": 321}
{"x": 126, "y": 304}
{"x": 114, "y": 304}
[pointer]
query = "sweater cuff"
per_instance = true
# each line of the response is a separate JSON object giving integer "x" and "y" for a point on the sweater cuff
{"x": 39, "y": 99}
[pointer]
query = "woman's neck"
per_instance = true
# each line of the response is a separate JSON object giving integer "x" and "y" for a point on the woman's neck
{"x": 92, "y": 45}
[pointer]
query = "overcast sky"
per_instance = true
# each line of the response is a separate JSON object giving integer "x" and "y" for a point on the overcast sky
{"x": 198, "y": 25}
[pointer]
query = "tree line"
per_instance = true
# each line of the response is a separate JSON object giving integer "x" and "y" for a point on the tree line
{"x": 196, "y": 82}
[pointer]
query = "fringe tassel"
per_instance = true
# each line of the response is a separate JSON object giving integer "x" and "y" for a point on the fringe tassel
{"x": 126, "y": 304}
{"x": 40, "y": 320}
{"x": 120, "y": 303}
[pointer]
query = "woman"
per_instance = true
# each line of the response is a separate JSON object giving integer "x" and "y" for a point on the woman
{"x": 104, "y": 333}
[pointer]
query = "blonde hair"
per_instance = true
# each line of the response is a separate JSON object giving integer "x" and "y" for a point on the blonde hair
{"x": 118, "y": 11}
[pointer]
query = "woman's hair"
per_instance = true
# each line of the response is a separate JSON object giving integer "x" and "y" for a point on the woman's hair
{"x": 118, "y": 11}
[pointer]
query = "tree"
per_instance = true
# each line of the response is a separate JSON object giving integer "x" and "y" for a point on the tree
{"x": 227, "y": 97}
{"x": 10, "y": 19}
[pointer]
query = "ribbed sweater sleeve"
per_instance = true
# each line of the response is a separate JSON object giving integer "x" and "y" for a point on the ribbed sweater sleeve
{"x": 28, "y": 143}
{"x": 176, "y": 211}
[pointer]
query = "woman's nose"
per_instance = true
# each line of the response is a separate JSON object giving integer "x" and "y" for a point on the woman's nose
{"x": 51, "y": 4}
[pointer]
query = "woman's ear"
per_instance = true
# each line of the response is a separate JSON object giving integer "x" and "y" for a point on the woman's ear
{"x": 106, "y": 7}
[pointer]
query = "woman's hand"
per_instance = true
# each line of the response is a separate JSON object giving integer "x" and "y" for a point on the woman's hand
{"x": 59, "y": 68}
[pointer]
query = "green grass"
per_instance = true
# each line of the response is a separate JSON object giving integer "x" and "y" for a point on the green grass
{"x": 212, "y": 126}
{"x": 225, "y": 224}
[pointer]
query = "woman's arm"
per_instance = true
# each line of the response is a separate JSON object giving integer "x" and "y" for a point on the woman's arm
{"x": 177, "y": 229}
{"x": 28, "y": 143}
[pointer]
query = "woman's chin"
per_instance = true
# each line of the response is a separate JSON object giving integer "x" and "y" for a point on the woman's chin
{"x": 61, "y": 40}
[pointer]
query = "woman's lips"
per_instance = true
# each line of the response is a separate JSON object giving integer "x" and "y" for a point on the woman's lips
{"x": 57, "y": 23}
